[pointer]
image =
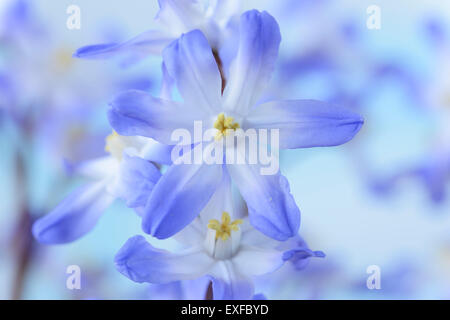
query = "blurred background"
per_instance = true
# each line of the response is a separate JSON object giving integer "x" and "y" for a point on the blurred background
{"x": 383, "y": 199}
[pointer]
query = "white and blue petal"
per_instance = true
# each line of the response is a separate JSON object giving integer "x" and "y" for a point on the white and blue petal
{"x": 136, "y": 180}
{"x": 306, "y": 123}
{"x": 139, "y": 261}
{"x": 179, "y": 16}
{"x": 157, "y": 152}
{"x": 193, "y": 234}
{"x": 256, "y": 261}
{"x": 139, "y": 47}
{"x": 222, "y": 200}
{"x": 229, "y": 284}
{"x": 167, "y": 84}
{"x": 252, "y": 237}
{"x": 222, "y": 11}
{"x": 271, "y": 206}
{"x": 179, "y": 196}
{"x": 137, "y": 113}
{"x": 190, "y": 61}
{"x": 75, "y": 216}
{"x": 252, "y": 68}
{"x": 98, "y": 168}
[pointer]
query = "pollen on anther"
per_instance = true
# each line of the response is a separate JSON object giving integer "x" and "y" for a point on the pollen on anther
{"x": 223, "y": 229}
{"x": 223, "y": 124}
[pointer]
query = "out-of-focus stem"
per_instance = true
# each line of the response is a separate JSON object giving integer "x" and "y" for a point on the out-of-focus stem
{"x": 22, "y": 238}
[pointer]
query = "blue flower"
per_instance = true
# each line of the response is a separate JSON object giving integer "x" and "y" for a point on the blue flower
{"x": 175, "y": 17}
{"x": 187, "y": 188}
{"x": 433, "y": 172}
{"x": 124, "y": 174}
{"x": 219, "y": 244}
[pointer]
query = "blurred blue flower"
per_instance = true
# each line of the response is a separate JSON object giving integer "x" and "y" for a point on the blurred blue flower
{"x": 44, "y": 94}
{"x": 433, "y": 172}
{"x": 430, "y": 95}
{"x": 175, "y": 17}
{"x": 126, "y": 173}
{"x": 43, "y": 89}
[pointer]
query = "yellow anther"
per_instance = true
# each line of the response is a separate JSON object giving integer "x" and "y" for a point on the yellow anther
{"x": 110, "y": 141}
{"x": 223, "y": 230}
{"x": 115, "y": 144}
{"x": 223, "y": 124}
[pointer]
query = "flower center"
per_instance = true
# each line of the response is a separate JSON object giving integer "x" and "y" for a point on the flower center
{"x": 224, "y": 125}
{"x": 115, "y": 144}
{"x": 223, "y": 230}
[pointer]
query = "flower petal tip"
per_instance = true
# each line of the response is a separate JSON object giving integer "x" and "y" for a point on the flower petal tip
{"x": 122, "y": 257}
{"x": 92, "y": 51}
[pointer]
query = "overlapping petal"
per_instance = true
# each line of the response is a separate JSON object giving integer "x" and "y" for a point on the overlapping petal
{"x": 139, "y": 261}
{"x": 178, "y": 16}
{"x": 179, "y": 196}
{"x": 193, "y": 234}
{"x": 136, "y": 181}
{"x": 222, "y": 200}
{"x": 137, "y": 113}
{"x": 74, "y": 216}
{"x": 223, "y": 10}
{"x": 255, "y": 261}
{"x": 271, "y": 206}
{"x": 250, "y": 71}
{"x": 229, "y": 284}
{"x": 167, "y": 84}
{"x": 157, "y": 152}
{"x": 190, "y": 61}
{"x": 147, "y": 43}
{"x": 98, "y": 168}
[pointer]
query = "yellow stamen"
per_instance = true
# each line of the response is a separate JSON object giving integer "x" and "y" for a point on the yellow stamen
{"x": 223, "y": 230}
{"x": 110, "y": 140}
{"x": 115, "y": 144}
{"x": 223, "y": 124}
